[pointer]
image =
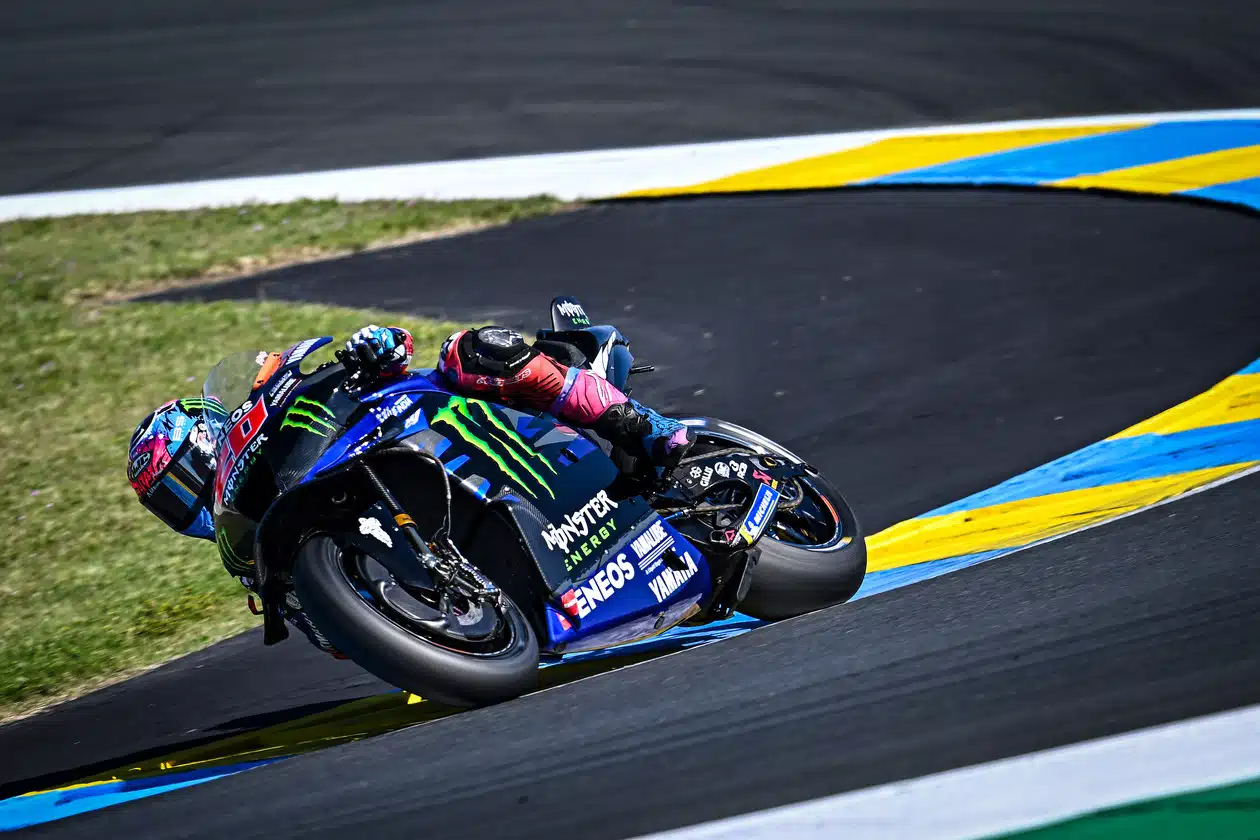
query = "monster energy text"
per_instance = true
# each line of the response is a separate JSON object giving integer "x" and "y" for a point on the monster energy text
{"x": 578, "y": 526}
{"x": 312, "y": 416}
{"x": 582, "y": 550}
{"x": 494, "y": 435}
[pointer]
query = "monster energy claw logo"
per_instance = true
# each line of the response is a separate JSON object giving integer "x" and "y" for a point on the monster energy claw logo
{"x": 312, "y": 416}
{"x": 497, "y": 441}
{"x": 193, "y": 405}
{"x": 231, "y": 560}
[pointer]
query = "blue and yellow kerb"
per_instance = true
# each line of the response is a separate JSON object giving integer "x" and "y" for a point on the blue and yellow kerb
{"x": 1210, "y": 438}
{"x": 1211, "y": 159}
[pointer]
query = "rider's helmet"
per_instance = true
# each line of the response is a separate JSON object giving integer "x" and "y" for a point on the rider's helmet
{"x": 171, "y": 461}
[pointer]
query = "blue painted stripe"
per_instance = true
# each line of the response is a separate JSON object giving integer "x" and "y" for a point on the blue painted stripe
{"x": 1254, "y": 367}
{"x": 674, "y": 639}
{"x": 1127, "y": 459}
{"x": 24, "y": 811}
{"x": 177, "y": 487}
{"x": 1245, "y": 192}
{"x": 40, "y": 808}
{"x": 1090, "y": 155}
{"x": 889, "y": 579}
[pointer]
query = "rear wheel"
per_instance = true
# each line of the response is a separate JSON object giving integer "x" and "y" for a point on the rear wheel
{"x": 462, "y": 652}
{"x": 813, "y": 554}
{"x": 796, "y": 576}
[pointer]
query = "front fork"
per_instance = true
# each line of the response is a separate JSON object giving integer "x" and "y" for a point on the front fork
{"x": 437, "y": 567}
{"x": 401, "y": 518}
{"x": 441, "y": 558}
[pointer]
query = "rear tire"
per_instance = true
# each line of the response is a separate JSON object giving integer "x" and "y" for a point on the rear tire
{"x": 791, "y": 580}
{"x": 403, "y": 658}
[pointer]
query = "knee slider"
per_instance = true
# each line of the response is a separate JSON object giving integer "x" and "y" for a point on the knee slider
{"x": 623, "y": 425}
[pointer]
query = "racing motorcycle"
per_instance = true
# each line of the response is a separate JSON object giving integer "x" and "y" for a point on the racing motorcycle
{"x": 446, "y": 543}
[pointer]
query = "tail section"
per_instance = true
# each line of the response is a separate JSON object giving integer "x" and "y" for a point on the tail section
{"x": 567, "y": 314}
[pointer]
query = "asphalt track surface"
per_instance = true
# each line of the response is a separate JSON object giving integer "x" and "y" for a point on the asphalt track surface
{"x": 142, "y": 91}
{"x": 1143, "y": 621}
{"x": 917, "y": 346}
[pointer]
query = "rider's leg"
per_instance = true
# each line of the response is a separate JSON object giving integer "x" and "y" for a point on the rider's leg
{"x": 497, "y": 363}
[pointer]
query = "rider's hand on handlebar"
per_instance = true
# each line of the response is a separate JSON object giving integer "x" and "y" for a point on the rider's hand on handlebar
{"x": 371, "y": 350}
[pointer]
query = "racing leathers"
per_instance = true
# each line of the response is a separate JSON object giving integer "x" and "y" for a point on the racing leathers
{"x": 497, "y": 363}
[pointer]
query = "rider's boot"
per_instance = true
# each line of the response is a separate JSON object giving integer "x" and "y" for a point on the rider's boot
{"x": 642, "y": 432}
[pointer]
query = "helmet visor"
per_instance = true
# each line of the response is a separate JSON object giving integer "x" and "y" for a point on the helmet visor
{"x": 183, "y": 489}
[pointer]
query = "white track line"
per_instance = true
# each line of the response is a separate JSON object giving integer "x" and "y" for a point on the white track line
{"x": 1019, "y": 793}
{"x": 570, "y": 175}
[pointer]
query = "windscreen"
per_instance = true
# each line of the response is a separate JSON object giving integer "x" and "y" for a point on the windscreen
{"x": 230, "y": 383}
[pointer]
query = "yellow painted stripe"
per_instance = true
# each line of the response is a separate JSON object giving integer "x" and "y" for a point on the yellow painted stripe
{"x": 1233, "y": 400}
{"x": 1174, "y": 176}
{"x": 71, "y": 787}
{"x": 884, "y": 157}
{"x": 349, "y": 722}
{"x": 1024, "y": 521}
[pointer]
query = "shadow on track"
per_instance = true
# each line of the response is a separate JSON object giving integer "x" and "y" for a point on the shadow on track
{"x": 315, "y": 726}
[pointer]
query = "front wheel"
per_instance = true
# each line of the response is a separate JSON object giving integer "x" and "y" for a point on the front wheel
{"x": 813, "y": 556}
{"x": 369, "y": 617}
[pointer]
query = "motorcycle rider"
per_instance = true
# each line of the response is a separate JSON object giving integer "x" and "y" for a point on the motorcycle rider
{"x": 171, "y": 458}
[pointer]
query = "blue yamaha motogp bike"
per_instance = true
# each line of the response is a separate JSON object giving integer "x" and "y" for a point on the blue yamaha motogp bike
{"x": 446, "y": 543}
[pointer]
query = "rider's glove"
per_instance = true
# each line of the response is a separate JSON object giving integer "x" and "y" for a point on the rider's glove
{"x": 390, "y": 347}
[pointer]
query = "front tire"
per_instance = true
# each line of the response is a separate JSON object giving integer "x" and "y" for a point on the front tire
{"x": 404, "y": 658}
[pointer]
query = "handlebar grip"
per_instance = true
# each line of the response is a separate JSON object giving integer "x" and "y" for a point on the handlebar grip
{"x": 367, "y": 358}
{"x": 348, "y": 360}
{"x": 360, "y": 363}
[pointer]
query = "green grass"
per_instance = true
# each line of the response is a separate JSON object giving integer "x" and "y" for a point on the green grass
{"x": 91, "y": 585}
{"x": 86, "y": 256}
